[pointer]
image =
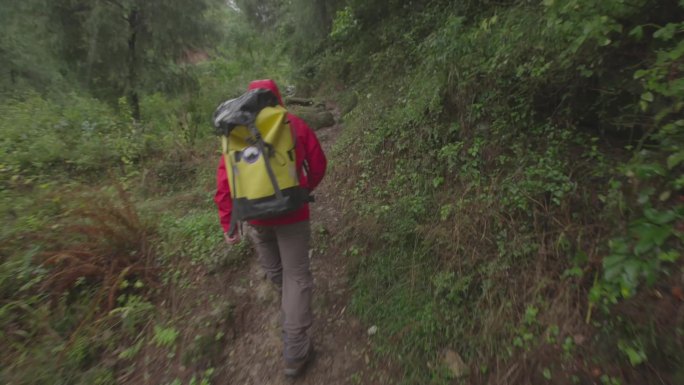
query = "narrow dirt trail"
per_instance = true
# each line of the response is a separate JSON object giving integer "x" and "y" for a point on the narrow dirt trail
{"x": 343, "y": 351}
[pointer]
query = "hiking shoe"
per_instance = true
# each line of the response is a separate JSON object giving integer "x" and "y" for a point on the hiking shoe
{"x": 296, "y": 368}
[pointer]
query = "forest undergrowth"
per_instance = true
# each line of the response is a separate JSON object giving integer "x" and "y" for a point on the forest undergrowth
{"x": 106, "y": 186}
{"x": 516, "y": 196}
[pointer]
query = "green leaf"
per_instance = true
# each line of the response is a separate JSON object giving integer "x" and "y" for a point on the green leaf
{"x": 679, "y": 183}
{"x": 667, "y": 32}
{"x": 669, "y": 256}
{"x": 635, "y": 358}
{"x": 647, "y": 97}
{"x": 648, "y": 170}
{"x": 637, "y": 32}
{"x": 613, "y": 260}
{"x": 165, "y": 337}
{"x": 645, "y": 195}
{"x": 651, "y": 270}
{"x": 626, "y": 291}
{"x": 573, "y": 272}
{"x": 665, "y": 195}
{"x": 613, "y": 267}
{"x": 631, "y": 273}
{"x": 650, "y": 236}
{"x": 518, "y": 342}
{"x": 618, "y": 246}
{"x": 660, "y": 217}
{"x": 633, "y": 351}
{"x": 547, "y": 373}
{"x": 675, "y": 159}
{"x": 531, "y": 314}
{"x": 612, "y": 273}
{"x": 580, "y": 258}
{"x": 132, "y": 351}
{"x": 640, "y": 74}
{"x": 437, "y": 181}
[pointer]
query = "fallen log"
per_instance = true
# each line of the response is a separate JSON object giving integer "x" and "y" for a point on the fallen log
{"x": 292, "y": 100}
{"x": 315, "y": 117}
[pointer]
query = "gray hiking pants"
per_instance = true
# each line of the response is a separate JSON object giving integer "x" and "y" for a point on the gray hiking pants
{"x": 283, "y": 253}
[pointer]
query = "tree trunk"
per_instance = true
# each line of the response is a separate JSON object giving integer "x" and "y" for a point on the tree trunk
{"x": 132, "y": 92}
{"x": 323, "y": 17}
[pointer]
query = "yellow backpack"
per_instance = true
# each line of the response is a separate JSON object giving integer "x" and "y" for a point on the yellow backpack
{"x": 259, "y": 150}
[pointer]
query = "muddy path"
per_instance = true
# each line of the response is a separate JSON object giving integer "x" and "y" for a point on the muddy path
{"x": 343, "y": 346}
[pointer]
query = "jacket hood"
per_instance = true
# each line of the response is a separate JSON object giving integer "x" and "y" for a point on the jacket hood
{"x": 267, "y": 84}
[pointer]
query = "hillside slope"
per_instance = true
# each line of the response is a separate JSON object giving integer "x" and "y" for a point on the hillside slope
{"x": 516, "y": 189}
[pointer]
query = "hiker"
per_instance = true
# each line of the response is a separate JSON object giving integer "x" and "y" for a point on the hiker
{"x": 282, "y": 242}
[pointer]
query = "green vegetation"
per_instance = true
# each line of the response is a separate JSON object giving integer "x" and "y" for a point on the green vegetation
{"x": 105, "y": 188}
{"x": 518, "y": 189}
{"x": 519, "y": 181}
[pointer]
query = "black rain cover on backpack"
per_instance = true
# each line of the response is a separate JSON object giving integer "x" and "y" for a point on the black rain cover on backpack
{"x": 243, "y": 110}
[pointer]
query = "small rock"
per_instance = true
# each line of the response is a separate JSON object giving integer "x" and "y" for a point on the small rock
{"x": 266, "y": 292}
{"x": 455, "y": 364}
{"x": 239, "y": 290}
{"x": 372, "y": 330}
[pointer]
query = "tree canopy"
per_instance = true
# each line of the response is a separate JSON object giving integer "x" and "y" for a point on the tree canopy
{"x": 112, "y": 48}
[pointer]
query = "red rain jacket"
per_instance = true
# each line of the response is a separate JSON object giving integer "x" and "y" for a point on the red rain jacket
{"x": 307, "y": 149}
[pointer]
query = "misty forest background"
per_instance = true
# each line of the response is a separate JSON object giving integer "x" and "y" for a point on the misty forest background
{"x": 517, "y": 192}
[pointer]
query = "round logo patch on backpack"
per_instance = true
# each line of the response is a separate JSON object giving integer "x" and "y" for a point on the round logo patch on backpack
{"x": 251, "y": 154}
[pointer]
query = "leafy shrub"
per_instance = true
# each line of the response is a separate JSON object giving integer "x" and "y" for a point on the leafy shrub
{"x": 502, "y": 148}
{"x": 197, "y": 237}
{"x": 78, "y": 135}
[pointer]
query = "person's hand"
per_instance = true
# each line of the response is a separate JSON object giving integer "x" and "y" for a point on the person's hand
{"x": 231, "y": 240}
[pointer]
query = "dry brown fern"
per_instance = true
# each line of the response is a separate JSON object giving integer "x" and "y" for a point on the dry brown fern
{"x": 103, "y": 241}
